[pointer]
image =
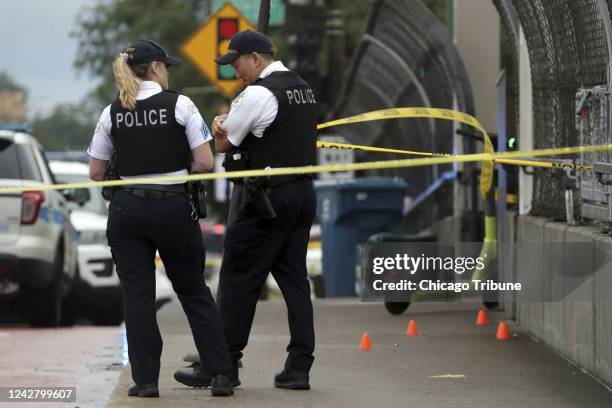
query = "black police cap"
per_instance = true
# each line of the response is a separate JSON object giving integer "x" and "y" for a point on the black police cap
{"x": 245, "y": 42}
{"x": 146, "y": 51}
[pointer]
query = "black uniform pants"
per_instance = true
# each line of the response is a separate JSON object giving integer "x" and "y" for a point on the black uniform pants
{"x": 136, "y": 228}
{"x": 254, "y": 248}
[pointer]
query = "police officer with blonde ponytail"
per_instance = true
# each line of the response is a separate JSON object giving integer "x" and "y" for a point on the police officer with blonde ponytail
{"x": 153, "y": 132}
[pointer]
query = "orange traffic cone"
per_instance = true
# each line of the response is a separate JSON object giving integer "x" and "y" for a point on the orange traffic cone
{"x": 502, "y": 332}
{"x": 412, "y": 329}
{"x": 482, "y": 318}
{"x": 365, "y": 344}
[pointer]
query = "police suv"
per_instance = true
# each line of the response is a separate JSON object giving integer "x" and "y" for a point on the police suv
{"x": 98, "y": 282}
{"x": 101, "y": 299}
{"x": 37, "y": 255}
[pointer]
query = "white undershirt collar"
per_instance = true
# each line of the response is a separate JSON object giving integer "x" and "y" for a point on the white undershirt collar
{"x": 273, "y": 67}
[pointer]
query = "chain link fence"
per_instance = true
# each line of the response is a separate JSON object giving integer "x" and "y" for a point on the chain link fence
{"x": 407, "y": 58}
{"x": 568, "y": 51}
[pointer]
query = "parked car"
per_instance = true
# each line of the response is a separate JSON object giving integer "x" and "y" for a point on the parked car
{"x": 98, "y": 280}
{"x": 37, "y": 254}
{"x": 68, "y": 156}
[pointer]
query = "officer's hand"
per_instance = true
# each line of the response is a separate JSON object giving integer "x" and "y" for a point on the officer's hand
{"x": 217, "y": 131}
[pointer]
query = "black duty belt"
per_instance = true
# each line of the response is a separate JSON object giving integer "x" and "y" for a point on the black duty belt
{"x": 156, "y": 190}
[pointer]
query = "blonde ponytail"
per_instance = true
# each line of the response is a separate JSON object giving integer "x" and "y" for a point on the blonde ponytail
{"x": 127, "y": 82}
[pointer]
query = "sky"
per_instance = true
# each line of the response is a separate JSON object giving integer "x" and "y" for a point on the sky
{"x": 38, "y": 52}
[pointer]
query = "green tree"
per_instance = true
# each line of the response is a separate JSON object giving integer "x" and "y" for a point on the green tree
{"x": 105, "y": 29}
{"x": 66, "y": 127}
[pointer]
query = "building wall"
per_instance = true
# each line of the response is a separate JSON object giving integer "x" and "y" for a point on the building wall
{"x": 525, "y": 139}
{"x": 580, "y": 326}
{"x": 476, "y": 29}
{"x": 12, "y": 106}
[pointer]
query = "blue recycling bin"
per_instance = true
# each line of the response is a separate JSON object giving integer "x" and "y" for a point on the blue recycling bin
{"x": 350, "y": 211}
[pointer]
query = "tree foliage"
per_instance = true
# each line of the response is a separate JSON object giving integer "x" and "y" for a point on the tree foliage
{"x": 105, "y": 29}
{"x": 66, "y": 127}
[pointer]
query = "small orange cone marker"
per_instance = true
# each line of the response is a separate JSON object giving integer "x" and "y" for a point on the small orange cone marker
{"x": 365, "y": 344}
{"x": 502, "y": 332}
{"x": 482, "y": 318}
{"x": 412, "y": 329}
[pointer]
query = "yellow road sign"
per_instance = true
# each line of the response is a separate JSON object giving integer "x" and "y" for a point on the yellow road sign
{"x": 210, "y": 40}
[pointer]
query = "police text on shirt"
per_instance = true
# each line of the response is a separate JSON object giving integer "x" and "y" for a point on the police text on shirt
{"x": 149, "y": 117}
{"x": 300, "y": 96}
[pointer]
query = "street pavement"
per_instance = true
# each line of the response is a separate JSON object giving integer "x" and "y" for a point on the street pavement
{"x": 86, "y": 357}
{"x": 453, "y": 363}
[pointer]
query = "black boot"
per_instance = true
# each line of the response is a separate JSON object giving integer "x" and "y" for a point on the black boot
{"x": 292, "y": 380}
{"x": 146, "y": 391}
{"x": 196, "y": 376}
{"x": 221, "y": 386}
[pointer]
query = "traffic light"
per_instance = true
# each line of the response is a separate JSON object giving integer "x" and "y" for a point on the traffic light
{"x": 512, "y": 144}
{"x": 226, "y": 28}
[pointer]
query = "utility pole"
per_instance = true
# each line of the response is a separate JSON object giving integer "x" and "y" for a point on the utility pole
{"x": 264, "y": 16}
{"x": 263, "y": 21}
{"x": 334, "y": 29}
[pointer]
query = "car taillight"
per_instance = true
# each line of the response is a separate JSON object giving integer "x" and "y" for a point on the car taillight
{"x": 30, "y": 207}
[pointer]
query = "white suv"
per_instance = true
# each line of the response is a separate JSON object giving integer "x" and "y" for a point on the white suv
{"x": 37, "y": 256}
{"x": 99, "y": 285}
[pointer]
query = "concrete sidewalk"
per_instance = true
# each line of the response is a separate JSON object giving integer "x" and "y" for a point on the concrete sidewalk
{"x": 399, "y": 371}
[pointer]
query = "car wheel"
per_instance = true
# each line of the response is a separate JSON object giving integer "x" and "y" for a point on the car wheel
{"x": 72, "y": 303}
{"x": 108, "y": 310}
{"x": 491, "y": 305}
{"x": 46, "y": 305}
{"x": 396, "y": 308}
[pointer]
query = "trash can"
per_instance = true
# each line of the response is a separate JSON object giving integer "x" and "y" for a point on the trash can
{"x": 350, "y": 211}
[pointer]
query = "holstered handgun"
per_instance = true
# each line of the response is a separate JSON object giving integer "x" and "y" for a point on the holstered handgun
{"x": 257, "y": 189}
{"x": 110, "y": 174}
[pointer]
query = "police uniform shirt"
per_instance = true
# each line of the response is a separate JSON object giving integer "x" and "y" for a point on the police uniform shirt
{"x": 253, "y": 110}
{"x": 186, "y": 114}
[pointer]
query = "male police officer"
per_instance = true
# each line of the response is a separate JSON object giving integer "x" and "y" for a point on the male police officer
{"x": 272, "y": 123}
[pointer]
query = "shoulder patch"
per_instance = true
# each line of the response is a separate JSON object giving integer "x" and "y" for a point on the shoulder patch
{"x": 240, "y": 97}
{"x": 205, "y": 131}
{"x": 192, "y": 108}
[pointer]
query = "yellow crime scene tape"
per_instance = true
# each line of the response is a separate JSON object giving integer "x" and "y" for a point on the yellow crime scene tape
{"x": 488, "y": 157}
{"x": 516, "y": 162}
{"x": 486, "y": 172}
{"x": 376, "y": 165}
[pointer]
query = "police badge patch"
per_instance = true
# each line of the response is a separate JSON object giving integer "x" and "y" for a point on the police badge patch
{"x": 191, "y": 106}
{"x": 239, "y": 98}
